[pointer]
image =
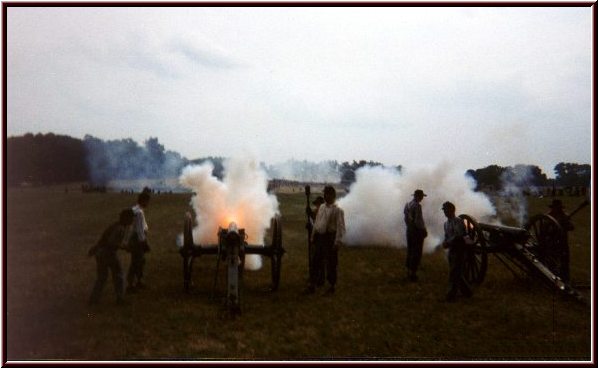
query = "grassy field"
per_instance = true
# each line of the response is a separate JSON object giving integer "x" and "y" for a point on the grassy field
{"x": 375, "y": 313}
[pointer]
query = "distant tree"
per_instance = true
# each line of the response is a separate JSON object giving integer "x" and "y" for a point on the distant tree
{"x": 488, "y": 176}
{"x": 125, "y": 159}
{"x": 572, "y": 174}
{"x": 217, "y": 161}
{"x": 538, "y": 178}
{"x": 155, "y": 158}
{"x": 496, "y": 177}
{"x": 348, "y": 170}
{"x": 524, "y": 176}
{"x": 45, "y": 159}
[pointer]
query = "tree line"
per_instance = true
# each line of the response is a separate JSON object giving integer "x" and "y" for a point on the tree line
{"x": 494, "y": 177}
{"x": 43, "y": 159}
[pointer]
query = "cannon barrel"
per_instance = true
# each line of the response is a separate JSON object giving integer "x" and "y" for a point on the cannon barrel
{"x": 499, "y": 236}
{"x": 232, "y": 241}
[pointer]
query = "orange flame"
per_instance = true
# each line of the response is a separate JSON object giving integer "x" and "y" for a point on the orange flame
{"x": 227, "y": 218}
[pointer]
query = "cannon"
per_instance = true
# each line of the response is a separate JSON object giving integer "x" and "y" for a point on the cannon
{"x": 231, "y": 250}
{"x": 536, "y": 249}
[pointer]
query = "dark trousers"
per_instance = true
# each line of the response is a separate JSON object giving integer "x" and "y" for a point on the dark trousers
{"x": 415, "y": 245}
{"x": 108, "y": 262}
{"x": 457, "y": 282}
{"x": 312, "y": 268}
{"x": 564, "y": 271}
{"x": 557, "y": 260}
{"x": 325, "y": 260}
{"x": 136, "y": 267}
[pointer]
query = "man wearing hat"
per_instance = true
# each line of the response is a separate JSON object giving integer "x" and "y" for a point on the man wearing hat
{"x": 416, "y": 233}
{"x": 557, "y": 212}
{"x": 454, "y": 232}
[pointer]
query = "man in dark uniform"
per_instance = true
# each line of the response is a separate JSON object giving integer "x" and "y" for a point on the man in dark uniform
{"x": 557, "y": 212}
{"x": 416, "y": 233}
{"x": 113, "y": 238}
{"x": 454, "y": 232}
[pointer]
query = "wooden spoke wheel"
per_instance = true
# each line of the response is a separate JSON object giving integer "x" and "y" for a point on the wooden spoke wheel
{"x": 476, "y": 255}
{"x": 277, "y": 251}
{"x": 547, "y": 242}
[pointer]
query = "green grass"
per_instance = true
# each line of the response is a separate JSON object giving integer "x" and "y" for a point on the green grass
{"x": 375, "y": 314}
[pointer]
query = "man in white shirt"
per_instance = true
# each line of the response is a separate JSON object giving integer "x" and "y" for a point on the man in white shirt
{"x": 138, "y": 245}
{"x": 329, "y": 230}
{"x": 416, "y": 233}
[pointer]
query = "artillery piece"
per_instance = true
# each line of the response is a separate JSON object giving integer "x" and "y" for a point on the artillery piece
{"x": 536, "y": 249}
{"x": 231, "y": 250}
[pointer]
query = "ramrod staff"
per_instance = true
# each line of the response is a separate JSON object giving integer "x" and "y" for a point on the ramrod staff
{"x": 309, "y": 227}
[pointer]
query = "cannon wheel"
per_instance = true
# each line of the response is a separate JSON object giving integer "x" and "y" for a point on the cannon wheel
{"x": 277, "y": 252}
{"x": 476, "y": 257}
{"x": 547, "y": 239}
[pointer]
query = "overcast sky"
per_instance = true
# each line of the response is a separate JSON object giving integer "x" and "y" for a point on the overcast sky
{"x": 474, "y": 86}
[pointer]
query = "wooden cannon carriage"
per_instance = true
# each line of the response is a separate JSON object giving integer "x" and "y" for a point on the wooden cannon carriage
{"x": 231, "y": 250}
{"x": 536, "y": 249}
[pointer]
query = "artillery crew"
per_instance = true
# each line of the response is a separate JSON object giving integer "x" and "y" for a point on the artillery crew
{"x": 329, "y": 230}
{"x": 416, "y": 233}
{"x": 454, "y": 233}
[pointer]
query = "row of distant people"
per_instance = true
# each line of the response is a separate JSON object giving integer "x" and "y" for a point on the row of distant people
{"x": 573, "y": 191}
{"x": 87, "y": 188}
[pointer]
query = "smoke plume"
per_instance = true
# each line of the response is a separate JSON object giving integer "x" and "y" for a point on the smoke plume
{"x": 240, "y": 197}
{"x": 515, "y": 181}
{"x": 123, "y": 164}
{"x": 374, "y": 206}
{"x": 305, "y": 171}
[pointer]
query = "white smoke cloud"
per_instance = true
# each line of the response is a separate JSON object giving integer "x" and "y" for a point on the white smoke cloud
{"x": 240, "y": 197}
{"x": 124, "y": 164}
{"x": 374, "y": 206}
{"x": 512, "y": 201}
{"x": 305, "y": 171}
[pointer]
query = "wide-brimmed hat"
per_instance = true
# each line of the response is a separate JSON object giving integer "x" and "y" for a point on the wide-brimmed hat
{"x": 419, "y": 192}
{"x": 556, "y": 203}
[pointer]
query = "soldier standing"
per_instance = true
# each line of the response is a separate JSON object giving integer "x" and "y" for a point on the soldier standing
{"x": 138, "y": 245}
{"x": 416, "y": 233}
{"x": 311, "y": 216}
{"x": 454, "y": 232}
{"x": 329, "y": 230}
{"x": 557, "y": 212}
{"x": 115, "y": 237}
